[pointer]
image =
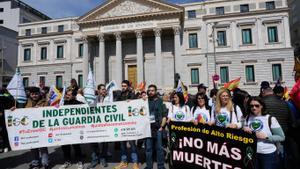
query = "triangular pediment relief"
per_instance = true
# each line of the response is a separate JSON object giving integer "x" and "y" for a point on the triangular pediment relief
{"x": 122, "y": 8}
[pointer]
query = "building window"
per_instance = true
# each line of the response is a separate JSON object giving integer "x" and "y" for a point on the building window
{"x": 1, "y": 21}
{"x": 44, "y": 30}
{"x": 192, "y": 14}
{"x": 1, "y": 9}
{"x": 60, "y": 52}
{"x": 28, "y": 32}
{"x": 59, "y": 81}
{"x": 276, "y": 72}
{"x": 27, "y": 54}
{"x": 43, "y": 53}
{"x": 272, "y": 34}
{"x": 80, "y": 81}
{"x": 247, "y": 36}
{"x": 224, "y": 74}
{"x": 270, "y": 5}
{"x": 244, "y": 8}
{"x": 221, "y": 38}
{"x": 250, "y": 73}
{"x": 60, "y": 28}
{"x": 80, "y": 50}
{"x": 195, "y": 76}
{"x": 193, "y": 40}
{"x": 220, "y": 10}
{"x": 25, "y": 81}
{"x": 42, "y": 81}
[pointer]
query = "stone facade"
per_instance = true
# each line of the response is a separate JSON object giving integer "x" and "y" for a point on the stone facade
{"x": 151, "y": 41}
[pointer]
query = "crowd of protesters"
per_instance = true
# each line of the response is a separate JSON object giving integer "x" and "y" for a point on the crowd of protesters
{"x": 274, "y": 120}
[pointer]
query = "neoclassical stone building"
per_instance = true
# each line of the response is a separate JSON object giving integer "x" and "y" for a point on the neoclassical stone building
{"x": 151, "y": 40}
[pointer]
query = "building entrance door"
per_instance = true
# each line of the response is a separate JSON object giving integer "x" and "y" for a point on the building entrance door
{"x": 132, "y": 74}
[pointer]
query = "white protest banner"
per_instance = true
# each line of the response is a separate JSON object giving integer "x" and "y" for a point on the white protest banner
{"x": 50, "y": 126}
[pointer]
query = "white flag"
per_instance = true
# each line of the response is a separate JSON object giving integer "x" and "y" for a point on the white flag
{"x": 110, "y": 87}
{"x": 89, "y": 90}
{"x": 16, "y": 87}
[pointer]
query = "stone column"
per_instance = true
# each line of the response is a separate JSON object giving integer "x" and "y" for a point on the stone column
{"x": 101, "y": 58}
{"x": 139, "y": 57}
{"x": 159, "y": 58}
{"x": 287, "y": 35}
{"x": 177, "y": 49}
{"x": 85, "y": 59}
{"x": 235, "y": 40}
{"x": 260, "y": 37}
{"x": 119, "y": 59}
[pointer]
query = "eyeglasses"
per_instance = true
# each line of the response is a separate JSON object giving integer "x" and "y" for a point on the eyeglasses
{"x": 200, "y": 98}
{"x": 254, "y": 105}
{"x": 124, "y": 85}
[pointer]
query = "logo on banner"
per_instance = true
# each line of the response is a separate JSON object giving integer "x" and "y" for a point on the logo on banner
{"x": 50, "y": 139}
{"x": 256, "y": 125}
{"x": 11, "y": 121}
{"x": 136, "y": 111}
{"x": 179, "y": 115}
{"x": 16, "y": 141}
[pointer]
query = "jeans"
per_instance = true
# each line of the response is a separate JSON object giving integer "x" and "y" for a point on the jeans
{"x": 134, "y": 155}
{"x": 159, "y": 151}
{"x": 36, "y": 156}
{"x": 267, "y": 161}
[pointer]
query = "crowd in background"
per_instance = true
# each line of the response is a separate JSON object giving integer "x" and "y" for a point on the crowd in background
{"x": 274, "y": 120}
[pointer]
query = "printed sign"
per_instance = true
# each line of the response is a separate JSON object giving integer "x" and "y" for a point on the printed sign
{"x": 50, "y": 126}
{"x": 204, "y": 146}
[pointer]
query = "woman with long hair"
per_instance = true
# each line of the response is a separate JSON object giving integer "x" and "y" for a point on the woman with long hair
{"x": 179, "y": 111}
{"x": 268, "y": 132}
{"x": 201, "y": 111}
{"x": 225, "y": 113}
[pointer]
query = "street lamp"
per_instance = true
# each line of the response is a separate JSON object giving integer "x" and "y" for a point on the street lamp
{"x": 215, "y": 77}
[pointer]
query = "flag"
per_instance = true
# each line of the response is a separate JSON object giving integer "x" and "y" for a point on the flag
{"x": 141, "y": 86}
{"x": 55, "y": 96}
{"x": 286, "y": 95}
{"x": 89, "y": 90}
{"x": 16, "y": 88}
{"x": 295, "y": 94}
{"x": 110, "y": 87}
{"x": 181, "y": 89}
{"x": 233, "y": 84}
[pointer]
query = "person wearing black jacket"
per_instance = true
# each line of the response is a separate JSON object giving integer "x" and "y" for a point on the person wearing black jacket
{"x": 6, "y": 102}
{"x": 127, "y": 94}
{"x": 70, "y": 99}
{"x": 158, "y": 115}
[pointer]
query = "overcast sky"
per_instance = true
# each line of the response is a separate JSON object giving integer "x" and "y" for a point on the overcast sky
{"x": 67, "y": 8}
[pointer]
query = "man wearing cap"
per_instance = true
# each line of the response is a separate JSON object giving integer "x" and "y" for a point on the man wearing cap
{"x": 35, "y": 100}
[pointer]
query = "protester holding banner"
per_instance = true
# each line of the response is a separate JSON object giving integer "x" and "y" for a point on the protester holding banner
{"x": 96, "y": 156}
{"x": 158, "y": 121}
{"x": 225, "y": 113}
{"x": 201, "y": 111}
{"x": 179, "y": 111}
{"x": 36, "y": 100}
{"x": 126, "y": 94}
{"x": 268, "y": 132}
{"x": 70, "y": 99}
{"x": 6, "y": 102}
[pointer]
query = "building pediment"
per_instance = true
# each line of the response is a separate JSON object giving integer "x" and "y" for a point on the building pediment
{"x": 119, "y": 9}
